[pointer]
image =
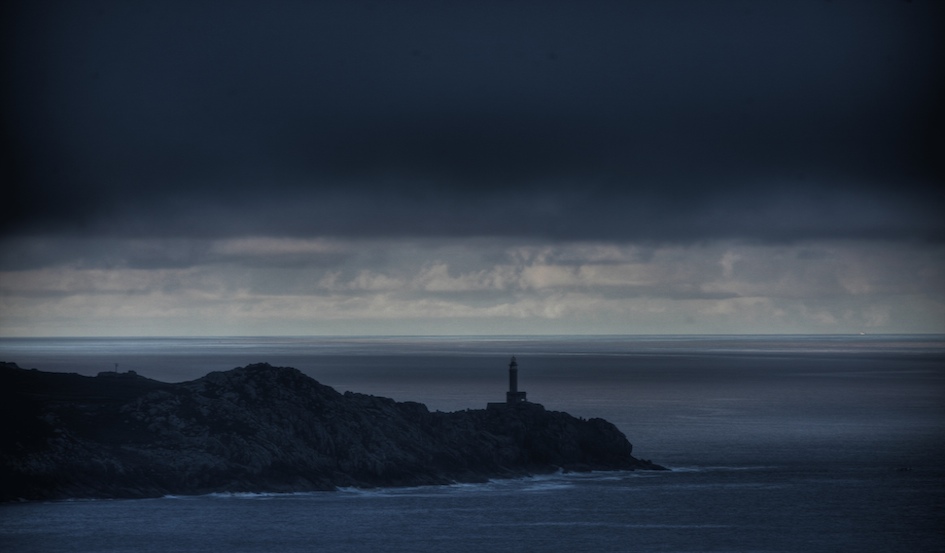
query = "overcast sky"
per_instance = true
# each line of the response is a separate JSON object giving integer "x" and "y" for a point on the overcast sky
{"x": 354, "y": 167}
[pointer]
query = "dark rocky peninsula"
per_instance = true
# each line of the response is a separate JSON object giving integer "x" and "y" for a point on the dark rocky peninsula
{"x": 263, "y": 428}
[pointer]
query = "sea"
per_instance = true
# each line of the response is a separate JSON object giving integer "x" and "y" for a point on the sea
{"x": 774, "y": 444}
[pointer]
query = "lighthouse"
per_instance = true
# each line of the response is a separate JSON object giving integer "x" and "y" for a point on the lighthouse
{"x": 513, "y": 395}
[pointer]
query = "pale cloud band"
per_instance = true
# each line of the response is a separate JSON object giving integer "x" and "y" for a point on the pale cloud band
{"x": 275, "y": 286}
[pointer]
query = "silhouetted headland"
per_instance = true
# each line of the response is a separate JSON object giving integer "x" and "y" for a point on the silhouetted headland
{"x": 268, "y": 429}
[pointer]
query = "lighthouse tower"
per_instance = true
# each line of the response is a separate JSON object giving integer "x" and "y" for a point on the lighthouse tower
{"x": 513, "y": 395}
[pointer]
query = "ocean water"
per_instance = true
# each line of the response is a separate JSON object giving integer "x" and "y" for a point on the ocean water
{"x": 776, "y": 443}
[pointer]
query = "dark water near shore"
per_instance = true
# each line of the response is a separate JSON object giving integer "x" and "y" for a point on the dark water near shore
{"x": 776, "y": 444}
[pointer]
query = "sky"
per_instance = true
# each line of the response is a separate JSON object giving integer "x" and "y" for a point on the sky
{"x": 488, "y": 167}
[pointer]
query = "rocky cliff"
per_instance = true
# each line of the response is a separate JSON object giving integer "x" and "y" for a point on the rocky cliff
{"x": 264, "y": 428}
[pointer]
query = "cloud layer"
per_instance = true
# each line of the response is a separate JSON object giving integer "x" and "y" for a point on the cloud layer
{"x": 649, "y": 120}
{"x": 478, "y": 286}
{"x": 472, "y": 167}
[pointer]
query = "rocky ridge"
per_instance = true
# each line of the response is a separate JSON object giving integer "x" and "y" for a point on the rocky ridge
{"x": 264, "y": 428}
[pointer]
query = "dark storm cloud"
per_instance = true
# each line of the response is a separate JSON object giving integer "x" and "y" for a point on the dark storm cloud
{"x": 629, "y": 120}
{"x": 81, "y": 253}
{"x": 34, "y": 253}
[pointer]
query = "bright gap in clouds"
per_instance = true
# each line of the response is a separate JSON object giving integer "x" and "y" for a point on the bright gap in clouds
{"x": 276, "y": 286}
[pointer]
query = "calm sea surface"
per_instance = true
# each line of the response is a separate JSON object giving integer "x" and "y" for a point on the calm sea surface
{"x": 786, "y": 444}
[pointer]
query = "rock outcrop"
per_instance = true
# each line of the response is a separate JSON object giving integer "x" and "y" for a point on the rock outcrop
{"x": 264, "y": 428}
